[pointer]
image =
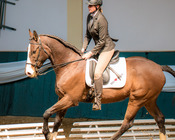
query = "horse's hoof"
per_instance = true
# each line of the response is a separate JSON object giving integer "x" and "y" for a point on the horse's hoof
{"x": 162, "y": 136}
{"x": 54, "y": 135}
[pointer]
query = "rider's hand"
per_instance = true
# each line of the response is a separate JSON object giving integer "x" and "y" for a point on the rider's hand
{"x": 87, "y": 55}
{"x": 82, "y": 50}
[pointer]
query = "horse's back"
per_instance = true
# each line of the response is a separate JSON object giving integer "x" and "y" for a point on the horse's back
{"x": 143, "y": 64}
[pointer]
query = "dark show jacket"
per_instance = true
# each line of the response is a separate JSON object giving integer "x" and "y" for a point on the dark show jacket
{"x": 98, "y": 30}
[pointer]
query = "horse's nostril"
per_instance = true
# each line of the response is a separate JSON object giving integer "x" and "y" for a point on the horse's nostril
{"x": 28, "y": 74}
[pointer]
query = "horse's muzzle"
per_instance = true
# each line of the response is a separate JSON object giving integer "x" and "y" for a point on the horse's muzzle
{"x": 31, "y": 75}
{"x": 30, "y": 71}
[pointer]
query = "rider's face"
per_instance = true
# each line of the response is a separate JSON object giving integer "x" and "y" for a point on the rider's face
{"x": 92, "y": 8}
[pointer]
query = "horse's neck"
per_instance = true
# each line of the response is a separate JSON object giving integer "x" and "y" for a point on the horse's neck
{"x": 61, "y": 54}
{"x": 64, "y": 55}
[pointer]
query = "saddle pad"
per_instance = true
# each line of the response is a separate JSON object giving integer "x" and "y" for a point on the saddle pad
{"x": 114, "y": 82}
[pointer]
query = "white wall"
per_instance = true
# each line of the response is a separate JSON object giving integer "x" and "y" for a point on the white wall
{"x": 140, "y": 25}
{"x": 46, "y": 17}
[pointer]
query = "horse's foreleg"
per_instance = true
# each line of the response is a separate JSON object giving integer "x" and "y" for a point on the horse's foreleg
{"x": 128, "y": 121}
{"x": 62, "y": 105}
{"x": 58, "y": 120}
{"x": 158, "y": 116}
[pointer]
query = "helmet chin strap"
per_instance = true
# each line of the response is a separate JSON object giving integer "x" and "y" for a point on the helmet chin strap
{"x": 96, "y": 8}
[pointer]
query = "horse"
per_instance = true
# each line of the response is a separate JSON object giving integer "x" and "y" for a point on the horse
{"x": 144, "y": 82}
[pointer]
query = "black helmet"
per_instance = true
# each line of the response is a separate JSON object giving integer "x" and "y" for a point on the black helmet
{"x": 95, "y": 2}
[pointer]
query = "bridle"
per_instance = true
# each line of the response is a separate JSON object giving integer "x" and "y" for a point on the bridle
{"x": 40, "y": 46}
{"x": 36, "y": 66}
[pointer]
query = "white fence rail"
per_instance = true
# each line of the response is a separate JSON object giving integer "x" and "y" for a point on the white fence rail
{"x": 96, "y": 130}
{"x": 27, "y": 131}
{"x": 142, "y": 130}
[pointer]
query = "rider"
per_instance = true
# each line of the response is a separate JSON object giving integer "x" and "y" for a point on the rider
{"x": 97, "y": 28}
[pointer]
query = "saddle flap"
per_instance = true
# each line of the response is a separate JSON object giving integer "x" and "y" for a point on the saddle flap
{"x": 113, "y": 77}
{"x": 92, "y": 66}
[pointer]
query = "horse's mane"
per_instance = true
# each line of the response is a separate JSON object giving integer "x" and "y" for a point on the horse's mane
{"x": 65, "y": 43}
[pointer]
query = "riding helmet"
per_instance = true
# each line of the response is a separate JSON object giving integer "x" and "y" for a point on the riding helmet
{"x": 95, "y": 2}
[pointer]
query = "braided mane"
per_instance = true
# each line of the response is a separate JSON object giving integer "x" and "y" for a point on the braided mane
{"x": 65, "y": 43}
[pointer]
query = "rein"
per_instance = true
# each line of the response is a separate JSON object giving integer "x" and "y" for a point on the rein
{"x": 57, "y": 66}
{"x": 39, "y": 71}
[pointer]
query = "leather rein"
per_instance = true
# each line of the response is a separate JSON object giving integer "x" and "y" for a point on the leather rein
{"x": 37, "y": 67}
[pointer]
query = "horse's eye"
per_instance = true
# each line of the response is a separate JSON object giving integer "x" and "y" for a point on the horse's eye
{"x": 33, "y": 52}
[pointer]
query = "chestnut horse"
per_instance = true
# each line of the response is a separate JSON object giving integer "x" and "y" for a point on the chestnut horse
{"x": 145, "y": 80}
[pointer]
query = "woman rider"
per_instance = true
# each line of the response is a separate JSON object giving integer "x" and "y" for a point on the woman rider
{"x": 97, "y": 28}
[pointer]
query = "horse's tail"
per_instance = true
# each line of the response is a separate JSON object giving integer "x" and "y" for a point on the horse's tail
{"x": 168, "y": 69}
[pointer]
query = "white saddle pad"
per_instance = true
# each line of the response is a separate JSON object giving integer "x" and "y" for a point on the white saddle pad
{"x": 114, "y": 82}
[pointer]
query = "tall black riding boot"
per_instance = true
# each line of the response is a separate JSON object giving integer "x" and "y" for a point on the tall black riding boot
{"x": 98, "y": 92}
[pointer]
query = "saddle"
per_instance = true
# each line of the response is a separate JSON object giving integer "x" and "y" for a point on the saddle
{"x": 106, "y": 73}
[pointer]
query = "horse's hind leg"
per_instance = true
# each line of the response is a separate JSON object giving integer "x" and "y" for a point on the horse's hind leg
{"x": 131, "y": 112}
{"x": 62, "y": 105}
{"x": 158, "y": 116}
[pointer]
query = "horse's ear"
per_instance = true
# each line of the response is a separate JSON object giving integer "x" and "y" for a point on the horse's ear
{"x": 35, "y": 35}
{"x": 30, "y": 34}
